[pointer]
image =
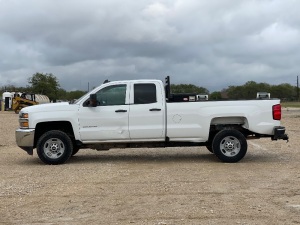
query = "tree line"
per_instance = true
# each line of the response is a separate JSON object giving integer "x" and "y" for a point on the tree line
{"x": 48, "y": 84}
{"x": 246, "y": 91}
{"x": 45, "y": 84}
{"x": 249, "y": 89}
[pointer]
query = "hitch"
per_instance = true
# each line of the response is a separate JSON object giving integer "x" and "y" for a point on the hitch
{"x": 279, "y": 133}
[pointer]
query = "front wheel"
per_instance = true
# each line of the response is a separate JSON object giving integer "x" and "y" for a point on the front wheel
{"x": 230, "y": 145}
{"x": 54, "y": 147}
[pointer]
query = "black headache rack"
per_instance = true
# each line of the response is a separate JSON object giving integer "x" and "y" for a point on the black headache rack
{"x": 168, "y": 88}
{"x": 183, "y": 97}
{"x": 178, "y": 97}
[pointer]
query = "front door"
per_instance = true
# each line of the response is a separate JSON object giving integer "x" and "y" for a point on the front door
{"x": 107, "y": 121}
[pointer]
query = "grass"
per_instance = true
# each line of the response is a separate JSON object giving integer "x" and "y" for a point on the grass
{"x": 291, "y": 104}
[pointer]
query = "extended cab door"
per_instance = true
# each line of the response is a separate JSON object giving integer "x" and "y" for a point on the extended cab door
{"x": 147, "y": 111}
{"x": 109, "y": 119}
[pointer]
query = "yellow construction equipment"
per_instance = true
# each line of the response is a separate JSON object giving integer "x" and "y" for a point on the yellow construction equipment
{"x": 19, "y": 102}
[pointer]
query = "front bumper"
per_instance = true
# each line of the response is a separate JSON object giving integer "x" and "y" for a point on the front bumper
{"x": 279, "y": 133}
{"x": 25, "y": 139}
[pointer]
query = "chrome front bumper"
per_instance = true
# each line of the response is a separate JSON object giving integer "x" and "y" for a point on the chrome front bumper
{"x": 25, "y": 139}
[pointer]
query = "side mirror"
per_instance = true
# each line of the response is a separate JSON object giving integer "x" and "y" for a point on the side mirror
{"x": 93, "y": 100}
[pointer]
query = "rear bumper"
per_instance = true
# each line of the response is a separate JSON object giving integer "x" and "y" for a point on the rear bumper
{"x": 25, "y": 139}
{"x": 279, "y": 133}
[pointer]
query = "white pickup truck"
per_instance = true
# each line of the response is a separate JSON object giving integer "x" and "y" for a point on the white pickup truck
{"x": 143, "y": 113}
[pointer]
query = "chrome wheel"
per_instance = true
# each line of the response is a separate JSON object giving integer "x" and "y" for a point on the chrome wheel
{"x": 54, "y": 148}
{"x": 230, "y": 146}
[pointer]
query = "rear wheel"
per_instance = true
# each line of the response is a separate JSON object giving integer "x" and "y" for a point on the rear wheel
{"x": 229, "y": 145}
{"x": 54, "y": 147}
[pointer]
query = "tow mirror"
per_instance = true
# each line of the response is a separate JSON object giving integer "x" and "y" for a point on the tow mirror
{"x": 93, "y": 100}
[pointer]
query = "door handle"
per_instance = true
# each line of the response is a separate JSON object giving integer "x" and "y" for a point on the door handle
{"x": 120, "y": 110}
{"x": 154, "y": 109}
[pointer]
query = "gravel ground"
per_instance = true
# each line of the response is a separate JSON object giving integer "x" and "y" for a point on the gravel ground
{"x": 152, "y": 186}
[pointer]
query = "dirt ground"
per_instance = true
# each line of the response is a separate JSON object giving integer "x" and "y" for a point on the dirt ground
{"x": 152, "y": 186}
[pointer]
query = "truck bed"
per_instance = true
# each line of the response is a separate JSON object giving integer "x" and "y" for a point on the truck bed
{"x": 192, "y": 120}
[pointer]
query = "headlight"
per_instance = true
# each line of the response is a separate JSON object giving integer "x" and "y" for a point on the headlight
{"x": 23, "y": 120}
{"x": 23, "y": 115}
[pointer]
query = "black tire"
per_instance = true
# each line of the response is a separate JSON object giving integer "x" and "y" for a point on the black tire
{"x": 54, "y": 147}
{"x": 230, "y": 145}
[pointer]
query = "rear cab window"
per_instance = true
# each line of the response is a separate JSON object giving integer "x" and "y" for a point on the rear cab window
{"x": 145, "y": 93}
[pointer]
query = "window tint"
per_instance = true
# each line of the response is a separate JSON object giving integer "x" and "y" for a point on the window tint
{"x": 112, "y": 95}
{"x": 144, "y": 93}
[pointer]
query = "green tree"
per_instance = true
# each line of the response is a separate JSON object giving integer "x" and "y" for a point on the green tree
{"x": 283, "y": 91}
{"x": 235, "y": 92}
{"x": 188, "y": 88}
{"x": 62, "y": 94}
{"x": 215, "y": 95}
{"x": 75, "y": 94}
{"x": 248, "y": 90}
{"x": 46, "y": 84}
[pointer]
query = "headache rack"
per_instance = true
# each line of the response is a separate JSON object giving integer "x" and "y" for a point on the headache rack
{"x": 180, "y": 97}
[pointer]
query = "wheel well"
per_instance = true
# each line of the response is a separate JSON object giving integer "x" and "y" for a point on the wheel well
{"x": 214, "y": 129}
{"x": 43, "y": 127}
{"x": 239, "y": 123}
{"x": 230, "y": 120}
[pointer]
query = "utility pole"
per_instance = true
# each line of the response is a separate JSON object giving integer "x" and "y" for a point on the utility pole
{"x": 297, "y": 88}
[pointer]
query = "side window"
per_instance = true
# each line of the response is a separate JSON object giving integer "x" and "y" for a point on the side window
{"x": 112, "y": 95}
{"x": 144, "y": 93}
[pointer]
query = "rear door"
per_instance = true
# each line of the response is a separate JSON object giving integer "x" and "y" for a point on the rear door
{"x": 146, "y": 111}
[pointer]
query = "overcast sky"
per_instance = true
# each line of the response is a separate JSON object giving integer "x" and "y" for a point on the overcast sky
{"x": 209, "y": 43}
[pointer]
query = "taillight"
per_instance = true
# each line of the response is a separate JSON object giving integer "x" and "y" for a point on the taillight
{"x": 277, "y": 112}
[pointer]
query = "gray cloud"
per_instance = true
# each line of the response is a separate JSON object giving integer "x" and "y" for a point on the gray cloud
{"x": 208, "y": 43}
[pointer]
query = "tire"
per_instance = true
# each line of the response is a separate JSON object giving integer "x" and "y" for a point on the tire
{"x": 54, "y": 147}
{"x": 230, "y": 146}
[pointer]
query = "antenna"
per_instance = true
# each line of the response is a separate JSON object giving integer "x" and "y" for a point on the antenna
{"x": 297, "y": 88}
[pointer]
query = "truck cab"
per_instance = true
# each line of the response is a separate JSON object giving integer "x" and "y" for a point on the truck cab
{"x": 119, "y": 111}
